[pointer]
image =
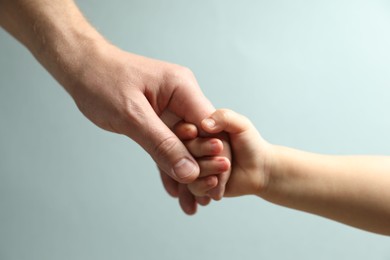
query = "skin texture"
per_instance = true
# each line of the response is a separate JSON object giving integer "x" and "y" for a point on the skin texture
{"x": 353, "y": 190}
{"x": 118, "y": 91}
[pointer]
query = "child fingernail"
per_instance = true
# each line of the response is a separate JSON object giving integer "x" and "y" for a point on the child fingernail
{"x": 224, "y": 164}
{"x": 210, "y": 182}
{"x": 214, "y": 145}
{"x": 210, "y": 123}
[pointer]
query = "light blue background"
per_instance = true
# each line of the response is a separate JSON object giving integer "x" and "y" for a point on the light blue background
{"x": 310, "y": 74}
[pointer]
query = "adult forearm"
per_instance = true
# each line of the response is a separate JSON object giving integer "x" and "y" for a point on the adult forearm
{"x": 118, "y": 91}
{"x": 354, "y": 190}
{"x": 54, "y": 31}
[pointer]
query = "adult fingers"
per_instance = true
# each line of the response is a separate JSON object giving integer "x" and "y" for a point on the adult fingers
{"x": 170, "y": 185}
{"x": 170, "y": 154}
{"x": 187, "y": 200}
{"x": 187, "y": 100}
{"x": 203, "y": 200}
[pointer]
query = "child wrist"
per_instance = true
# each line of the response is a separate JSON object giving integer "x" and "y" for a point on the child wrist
{"x": 269, "y": 171}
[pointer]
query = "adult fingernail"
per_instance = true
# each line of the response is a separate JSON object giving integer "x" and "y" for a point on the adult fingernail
{"x": 210, "y": 123}
{"x": 184, "y": 168}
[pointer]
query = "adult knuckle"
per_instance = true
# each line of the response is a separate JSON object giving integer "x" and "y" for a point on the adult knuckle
{"x": 182, "y": 71}
{"x": 187, "y": 72}
{"x": 247, "y": 121}
{"x": 178, "y": 76}
{"x": 133, "y": 112}
{"x": 223, "y": 112}
{"x": 225, "y": 115}
{"x": 165, "y": 147}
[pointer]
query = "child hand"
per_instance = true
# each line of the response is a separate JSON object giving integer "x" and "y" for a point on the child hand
{"x": 211, "y": 153}
{"x": 252, "y": 155}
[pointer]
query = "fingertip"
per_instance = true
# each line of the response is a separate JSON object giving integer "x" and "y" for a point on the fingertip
{"x": 209, "y": 125}
{"x": 186, "y": 171}
{"x": 218, "y": 191}
{"x": 189, "y": 208}
{"x": 170, "y": 185}
{"x": 201, "y": 186}
{"x": 216, "y": 146}
{"x": 223, "y": 165}
{"x": 186, "y": 200}
{"x": 173, "y": 193}
{"x": 211, "y": 181}
{"x": 226, "y": 120}
{"x": 190, "y": 211}
{"x": 216, "y": 194}
{"x": 218, "y": 197}
{"x": 203, "y": 200}
{"x": 185, "y": 131}
{"x": 214, "y": 165}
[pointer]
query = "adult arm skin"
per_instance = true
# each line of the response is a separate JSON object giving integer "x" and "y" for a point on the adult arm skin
{"x": 118, "y": 91}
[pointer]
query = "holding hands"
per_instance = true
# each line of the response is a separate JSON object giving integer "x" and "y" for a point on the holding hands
{"x": 250, "y": 164}
{"x": 223, "y": 155}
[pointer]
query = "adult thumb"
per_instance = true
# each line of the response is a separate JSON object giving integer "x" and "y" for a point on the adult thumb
{"x": 170, "y": 154}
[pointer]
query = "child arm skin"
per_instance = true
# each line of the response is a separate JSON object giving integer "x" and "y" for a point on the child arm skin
{"x": 354, "y": 190}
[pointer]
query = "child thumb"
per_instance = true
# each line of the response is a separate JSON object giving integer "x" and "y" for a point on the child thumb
{"x": 225, "y": 120}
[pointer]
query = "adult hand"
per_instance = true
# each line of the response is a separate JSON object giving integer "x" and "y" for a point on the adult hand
{"x": 127, "y": 94}
{"x": 118, "y": 91}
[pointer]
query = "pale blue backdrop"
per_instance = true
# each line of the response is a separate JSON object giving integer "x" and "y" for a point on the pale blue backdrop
{"x": 310, "y": 74}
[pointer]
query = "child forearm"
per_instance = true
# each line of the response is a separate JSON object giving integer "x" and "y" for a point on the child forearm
{"x": 354, "y": 190}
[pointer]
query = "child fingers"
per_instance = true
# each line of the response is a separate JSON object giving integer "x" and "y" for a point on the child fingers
{"x": 201, "y": 186}
{"x": 226, "y": 120}
{"x": 200, "y": 147}
{"x": 218, "y": 191}
{"x": 185, "y": 131}
{"x": 213, "y": 165}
